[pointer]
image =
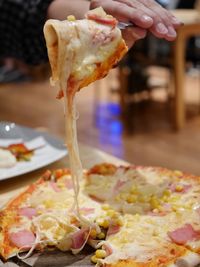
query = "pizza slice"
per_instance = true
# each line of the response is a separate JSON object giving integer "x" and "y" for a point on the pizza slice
{"x": 80, "y": 52}
{"x": 83, "y": 51}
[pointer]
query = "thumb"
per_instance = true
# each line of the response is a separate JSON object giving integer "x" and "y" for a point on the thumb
{"x": 133, "y": 34}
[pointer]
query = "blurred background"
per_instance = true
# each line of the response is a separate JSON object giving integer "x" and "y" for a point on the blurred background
{"x": 146, "y": 111}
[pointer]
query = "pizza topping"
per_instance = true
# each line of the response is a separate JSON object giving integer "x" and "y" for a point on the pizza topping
{"x": 107, "y": 247}
{"x": 103, "y": 169}
{"x": 180, "y": 188}
{"x": 100, "y": 16}
{"x": 118, "y": 185}
{"x": 87, "y": 211}
{"x": 28, "y": 212}
{"x": 113, "y": 229}
{"x": 23, "y": 238}
{"x": 184, "y": 234}
{"x": 79, "y": 239}
{"x": 54, "y": 186}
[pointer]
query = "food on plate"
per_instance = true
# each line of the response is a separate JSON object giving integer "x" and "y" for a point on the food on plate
{"x": 7, "y": 159}
{"x": 13, "y": 153}
{"x": 80, "y": 52}
{"x": 131, "y": 216}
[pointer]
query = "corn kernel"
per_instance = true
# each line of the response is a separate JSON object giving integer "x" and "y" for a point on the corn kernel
{"x": 100, "y": 253}
{"x": 105, "y": 224}
{"x": 155, "y": 233}
{"x": 118, "y": 198}
{"x": 174, "y": 199}
{"x": 39, "y": 212}
{"x": 175, "y": 207}
{"x": 178, "y": 173}
{"x": 93, "y": 233}
{"x": 119, "y": 221}
{"x": 134, "y": 189}
{"x": 143, "y": 199}
{"x": 111, "y": 213}
{"x": 71, "y": 18}
{"x": 131, "y": 199}
{"x": 51, "y": 243}
{"x": 101, "y": 235}
{"x": 160, "y": 208}
{"x": 94, "y": 259}
{"x": 155, "y": 210}
{"x": 164, "y": 198}
{"x": 179, "y": 188}
{"x": 124, "y": 195}
{"x": 105, "y": 207}
{"x": 137, "y": 216}
{"x": 154, "y": 202}
{"x": 61, "y": 186}
{"x": 60, "y": 232}
{"x": 48, "y": 203}
{"x": 167, "y": 193}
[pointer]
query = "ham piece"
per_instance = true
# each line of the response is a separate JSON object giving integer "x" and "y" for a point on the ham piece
{"x": 107, "y": 247}
{"x": 23, "y": 238}
{"x": 87, "y": 211}
{"x": 79, "y": 238}
{"x": 55, "y": 187}
{"x": 184, "y": 234}
{"x": 113, "y": 229}
{"x": 103, "y": 20}
{"x": 27, "y": 212}
{"x": 118, "y": 186}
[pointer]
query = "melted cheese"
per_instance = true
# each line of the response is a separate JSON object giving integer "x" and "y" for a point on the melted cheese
{"x": 76, "y": 50}
{"x": 141, "y": 236}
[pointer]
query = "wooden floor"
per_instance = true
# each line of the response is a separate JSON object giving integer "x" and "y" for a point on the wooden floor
{"x": 152, "y": 141}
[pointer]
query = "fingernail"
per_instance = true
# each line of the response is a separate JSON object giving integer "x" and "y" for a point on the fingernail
{"x": 146, "y": 18}
{"x": 171, "y": 32}
{"x": 160, "y": 28}
{"x": 176, "y": 21}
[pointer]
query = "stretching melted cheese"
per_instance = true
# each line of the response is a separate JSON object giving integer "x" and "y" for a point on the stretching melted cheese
{"x": 80, "y": 52}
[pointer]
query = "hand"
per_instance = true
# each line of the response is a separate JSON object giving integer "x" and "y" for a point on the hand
{"x": 145, "y": 14}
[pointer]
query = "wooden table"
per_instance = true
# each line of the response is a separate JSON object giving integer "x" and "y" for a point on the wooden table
{"x": 89, "y": 156}
{"x": 191, "y": 28}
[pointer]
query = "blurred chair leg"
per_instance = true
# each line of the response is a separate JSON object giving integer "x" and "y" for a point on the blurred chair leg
{"x": 123, "y": 90}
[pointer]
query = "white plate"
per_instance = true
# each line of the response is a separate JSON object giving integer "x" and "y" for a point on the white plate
{"x": 51, "y": 149}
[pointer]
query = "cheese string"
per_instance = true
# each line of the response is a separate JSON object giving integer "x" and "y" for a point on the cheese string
{"x": 69, "y": 90}
{"x": 72, "y": 145}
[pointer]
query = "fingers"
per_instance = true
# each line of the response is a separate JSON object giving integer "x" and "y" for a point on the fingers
{"x": 146, "y": 14}
{"x": 164, "y": 23}
{"x": 123, "y": 12}
{"x": 133, "y": 34}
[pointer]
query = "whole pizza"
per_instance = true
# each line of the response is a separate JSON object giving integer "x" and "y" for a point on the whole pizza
{"x": 129, "y": 216}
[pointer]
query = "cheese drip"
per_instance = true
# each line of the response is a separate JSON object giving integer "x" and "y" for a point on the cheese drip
{"x": 72, "y": 145}
{"x": 80, "y": 52}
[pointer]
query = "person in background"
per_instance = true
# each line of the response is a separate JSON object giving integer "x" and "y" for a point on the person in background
{"x": 21, "y": 23}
